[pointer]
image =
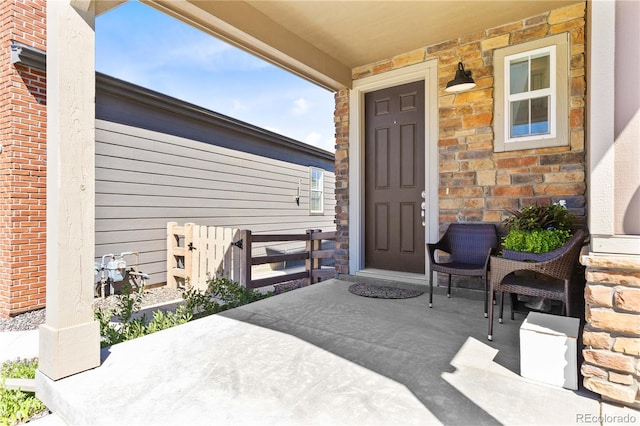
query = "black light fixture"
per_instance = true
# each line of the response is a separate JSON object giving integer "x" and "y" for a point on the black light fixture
{"x": 462, "y": 81}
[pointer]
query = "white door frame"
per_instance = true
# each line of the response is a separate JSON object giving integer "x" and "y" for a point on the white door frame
{"x": 427, "y": 71}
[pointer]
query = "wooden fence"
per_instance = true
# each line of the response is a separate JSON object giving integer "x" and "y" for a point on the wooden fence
{"x": 195, "y": 253}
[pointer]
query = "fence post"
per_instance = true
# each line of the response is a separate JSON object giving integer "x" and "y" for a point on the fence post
{"x": 245, "y": 258}
{"x": 198, "y": 253}
{"x": 202, "y": 252}
{"x": 311, "y": 264}
{"x": 232, "y": 265}
{"x": 188, "y": 255}
{"x": 171, "y": 256}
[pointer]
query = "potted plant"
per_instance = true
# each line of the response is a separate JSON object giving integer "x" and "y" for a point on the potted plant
{"x": 535, "y": 230}
{"x": 533, "y": 233}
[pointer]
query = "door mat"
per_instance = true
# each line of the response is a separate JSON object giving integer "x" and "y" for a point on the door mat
{"x": 382, "y": 292}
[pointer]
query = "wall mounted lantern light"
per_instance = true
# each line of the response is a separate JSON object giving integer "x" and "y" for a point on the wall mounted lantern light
{"x": 462, "y": 81}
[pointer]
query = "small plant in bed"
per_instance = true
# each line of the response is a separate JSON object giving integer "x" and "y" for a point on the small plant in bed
{"x": 128, "y": 325}
{"x": 537, "y": 228}
{"x": 17, "y": 406}
{"x": 221, "y": 294}
{"x": 538, "y": 241}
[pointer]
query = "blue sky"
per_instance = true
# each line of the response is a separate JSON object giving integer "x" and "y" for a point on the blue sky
{"x": 143, "y": 46}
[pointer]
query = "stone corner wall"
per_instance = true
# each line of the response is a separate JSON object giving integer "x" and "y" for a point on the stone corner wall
{"x": 611, "y": 335}
{"x": 341, "y": 119}
{"x": 475, "y": 182}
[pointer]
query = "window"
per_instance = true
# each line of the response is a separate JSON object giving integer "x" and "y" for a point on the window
{"x": 531, "y": 99}
{"x": 530, "y": 94}
{"x": 316, "y": 191}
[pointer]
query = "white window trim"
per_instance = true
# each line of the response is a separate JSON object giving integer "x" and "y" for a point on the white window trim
{"x": 427, "y": 71}
{"x": 321, "y": 190}
{"x": 550, "y": 91}
{"x": 559, "y": 116}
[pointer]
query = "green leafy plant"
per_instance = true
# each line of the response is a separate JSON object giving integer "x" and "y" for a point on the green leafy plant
{"x": 20, "y": 368}
{"x": 17, "y": 406}
{"x": 221, "y": 294}
{"x": 128, "y": 326}
{"x": 200, "y": 304}
{"x": 537, "y": 217}
{"x": 537, "y": 241}
{"x": 538, "y": 228}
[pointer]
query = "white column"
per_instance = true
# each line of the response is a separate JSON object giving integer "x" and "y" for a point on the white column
{"x": 601, "y": 45}
{"x": 70, "y": 338}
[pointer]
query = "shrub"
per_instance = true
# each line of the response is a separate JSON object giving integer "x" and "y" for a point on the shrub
{"x": 17, "y": 406}
{"x": 221, "y": 294}
{"x": 129, "y": 327}
{"x": 20, "y": 368}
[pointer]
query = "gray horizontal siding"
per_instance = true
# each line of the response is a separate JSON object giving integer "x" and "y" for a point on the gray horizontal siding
{"x": 121, "y": 102}
{"x": 145, "y": 179}
{"x": 265, "y": 226}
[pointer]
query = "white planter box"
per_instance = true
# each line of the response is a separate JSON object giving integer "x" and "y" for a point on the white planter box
{"x": 548, "y": 349}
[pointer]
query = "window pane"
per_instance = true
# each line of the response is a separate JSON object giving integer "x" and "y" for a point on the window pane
{"x": 519, "y": 118}
{"x": 316, "y": 179}
{"x": 316, "y": 191}
{"x": 315, "y": 203}
{"x": 532, "y": 94}
{"x": 540, "y": 115}
{"x": 519, "y": 72}
{"x": 540, "y": 72}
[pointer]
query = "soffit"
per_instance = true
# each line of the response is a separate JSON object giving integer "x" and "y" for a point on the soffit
{"x": 324, "y": 40}
{"x": 363, "y": 32}
{"x": 101, "y": 6}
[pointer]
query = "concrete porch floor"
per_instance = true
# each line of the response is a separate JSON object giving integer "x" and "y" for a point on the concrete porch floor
{"x": 320, "y": 355}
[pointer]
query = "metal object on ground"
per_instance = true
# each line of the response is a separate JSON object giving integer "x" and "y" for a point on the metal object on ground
{"x": 113, "y": 268}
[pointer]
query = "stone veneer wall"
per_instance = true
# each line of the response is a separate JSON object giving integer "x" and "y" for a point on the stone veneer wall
{"x": 611, "y": 336}
{"x": 341, "y": 119}
{"x": 23, "y": 120}
{"x": 481, "y": 183}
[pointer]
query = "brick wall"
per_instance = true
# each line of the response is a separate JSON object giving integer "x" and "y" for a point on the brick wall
{"x": 476, "y": 183}
{"x": 22, "y": 161}
{"x": 611, "y": 335}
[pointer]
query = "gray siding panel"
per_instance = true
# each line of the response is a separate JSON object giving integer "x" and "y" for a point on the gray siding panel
{"x": 122, "y": 102}
{"x": 145, "y": 179}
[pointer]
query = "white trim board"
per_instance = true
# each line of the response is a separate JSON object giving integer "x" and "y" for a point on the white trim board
{"x": 427, "y": 71}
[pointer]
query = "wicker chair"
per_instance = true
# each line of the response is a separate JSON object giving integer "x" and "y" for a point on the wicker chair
{"x": 549, "y": 279}
{"x": 470, "y": 246}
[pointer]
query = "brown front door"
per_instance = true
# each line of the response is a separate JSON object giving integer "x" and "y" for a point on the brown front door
{"x": 395, "y": 178}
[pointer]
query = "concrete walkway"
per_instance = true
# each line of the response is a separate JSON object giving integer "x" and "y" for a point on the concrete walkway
{"x": 321, "y": 355}
{"x": 18, "y": 344}
{"x": 24, "y": 345}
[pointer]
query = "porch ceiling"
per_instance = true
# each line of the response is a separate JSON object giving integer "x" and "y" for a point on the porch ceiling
{"x": 324, "y": 40}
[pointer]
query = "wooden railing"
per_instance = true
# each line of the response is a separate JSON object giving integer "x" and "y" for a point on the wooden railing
{"x": 312, "y": 255}
{"x": 196, "y": 253}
